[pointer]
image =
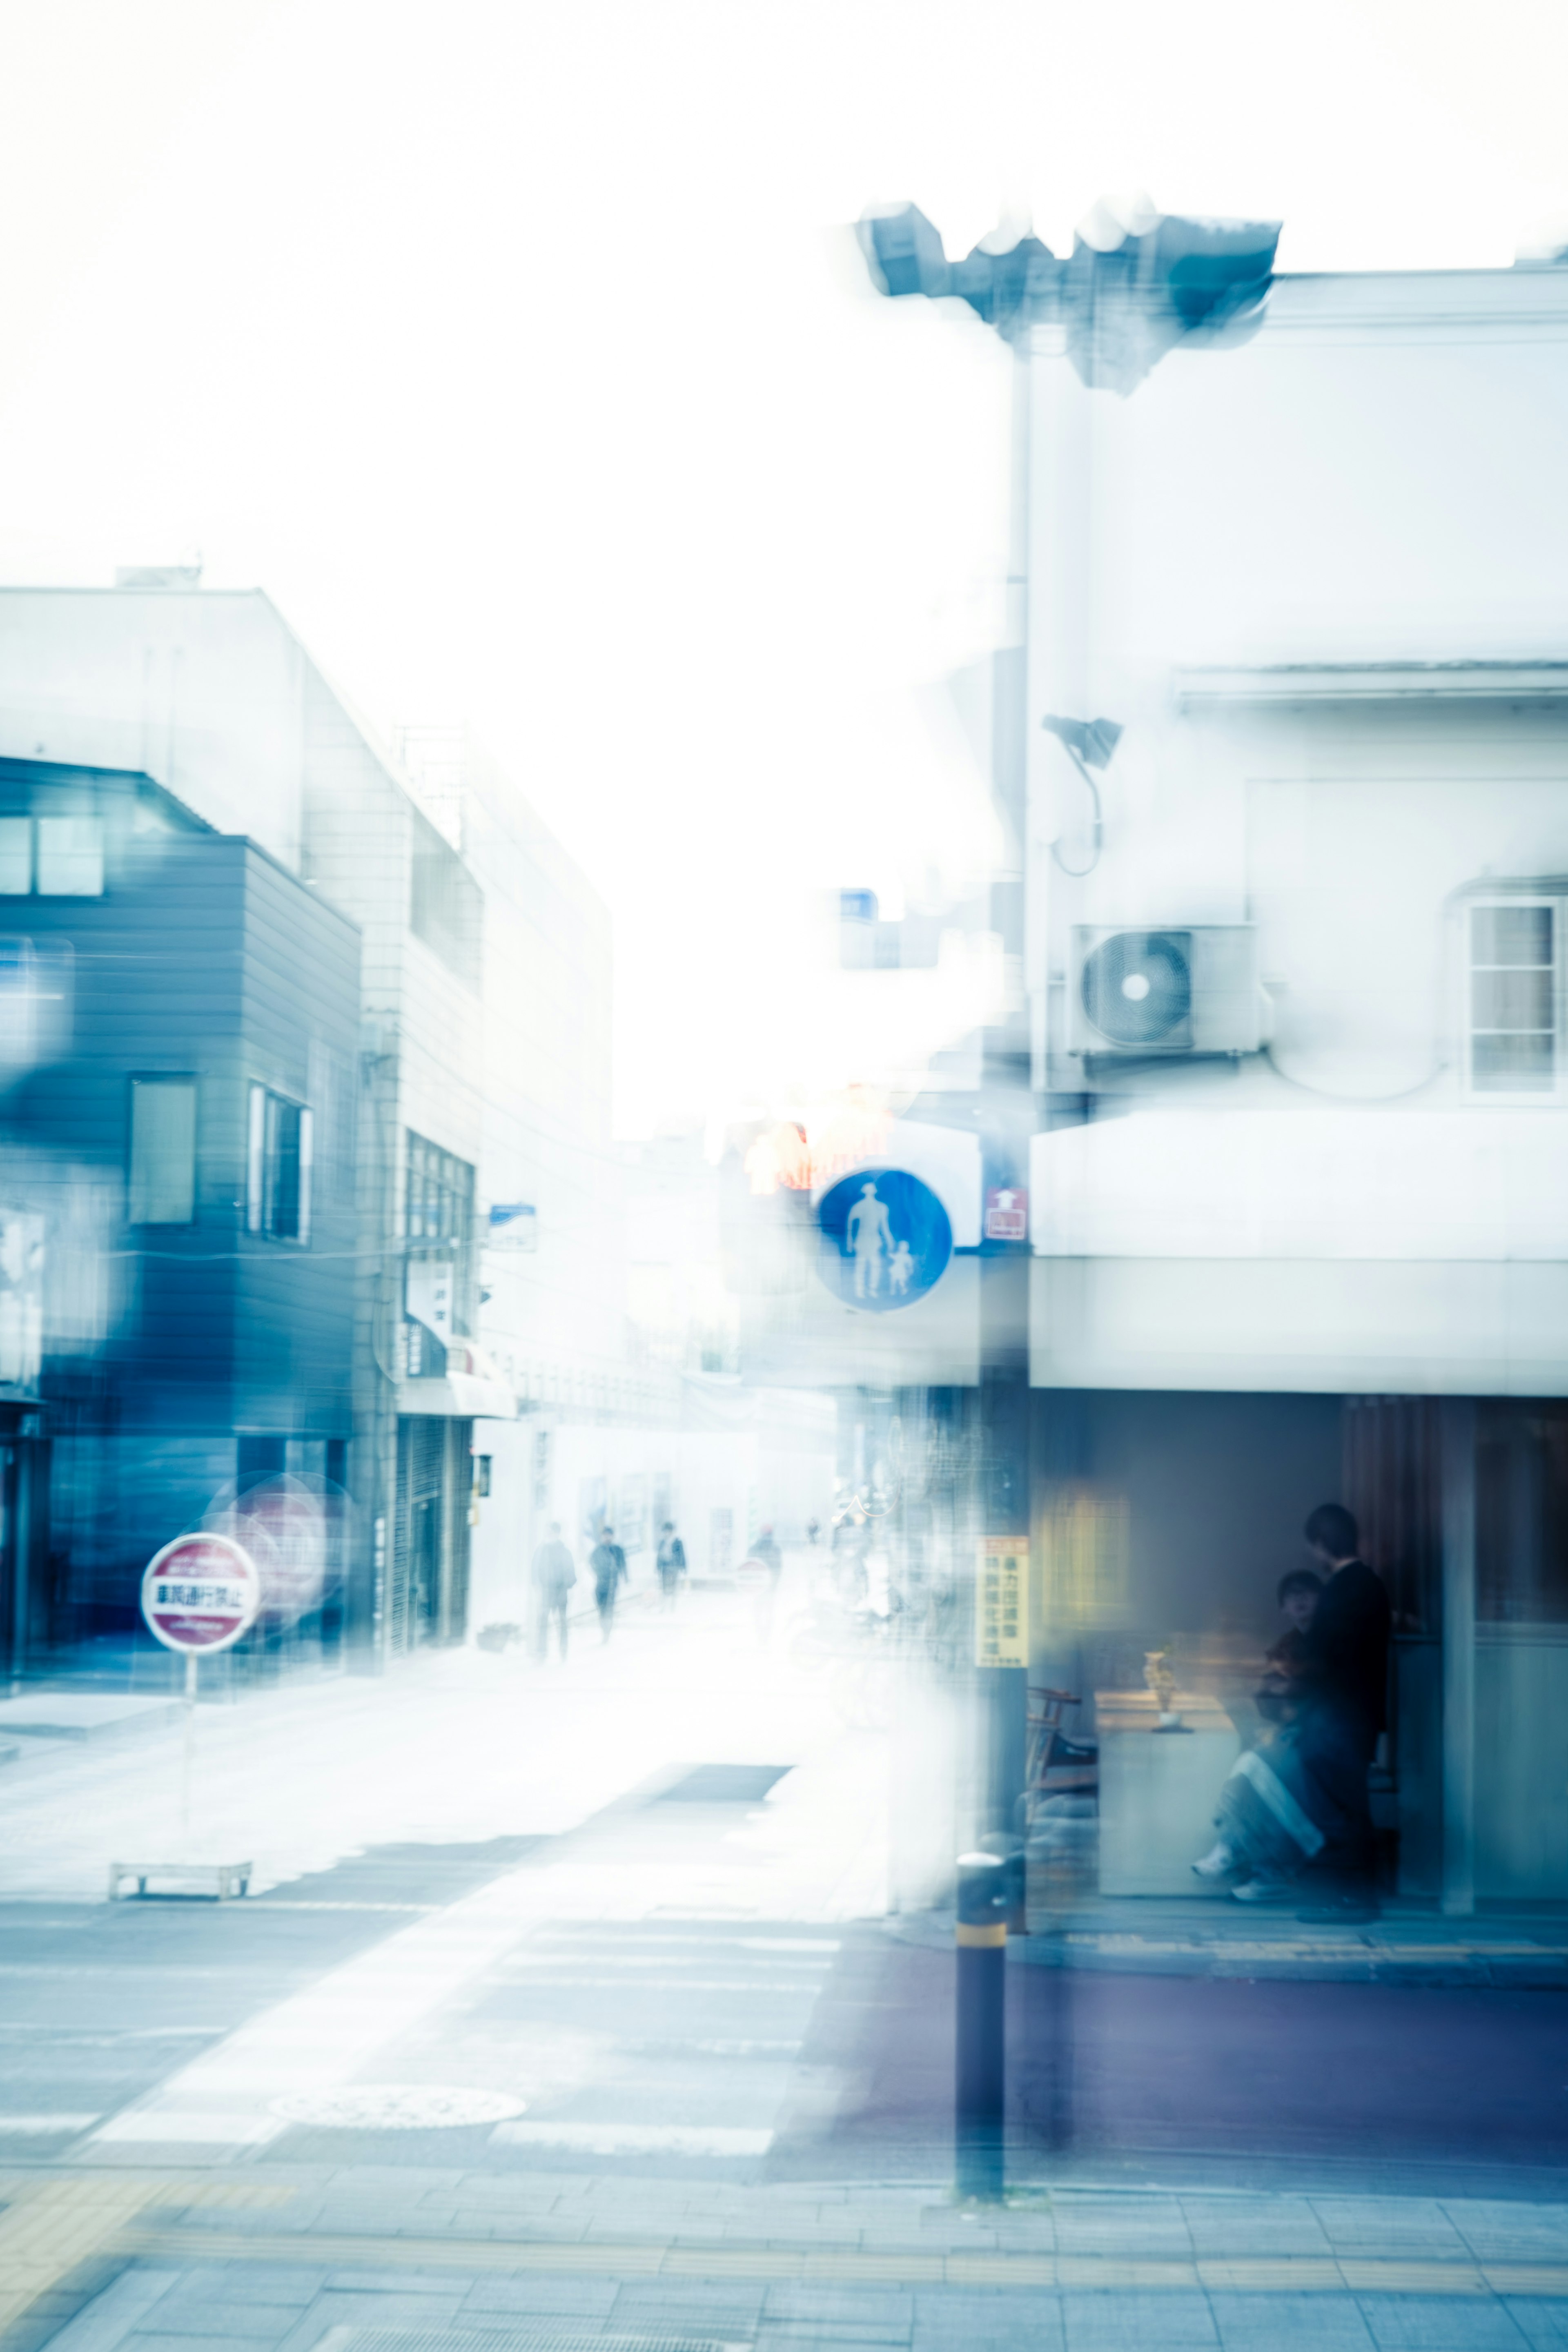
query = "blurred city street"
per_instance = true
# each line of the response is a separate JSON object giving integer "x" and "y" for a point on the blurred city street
{"x": 465, "y": 1746}
{"x": 783, "y": 1178}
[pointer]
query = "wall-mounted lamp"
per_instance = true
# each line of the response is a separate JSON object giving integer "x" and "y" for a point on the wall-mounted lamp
{"x": 1089, "y": 743}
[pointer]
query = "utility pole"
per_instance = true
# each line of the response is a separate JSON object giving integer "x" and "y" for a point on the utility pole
{"x": 1127, "y": 294}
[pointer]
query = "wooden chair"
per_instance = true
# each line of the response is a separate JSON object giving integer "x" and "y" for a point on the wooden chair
{"x": 1056, "y": 1766}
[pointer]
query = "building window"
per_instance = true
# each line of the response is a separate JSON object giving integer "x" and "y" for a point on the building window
{"x": 16, "y": 856}
{"x": 162, "y": 1151}
{"x": 446, "y": 905}
{"x": 69, "y": 862}
{"x": 438, "y": 1218}
{"x": 279, "y": 1151}
{"x": 51, "y": 857}
{"x": 1514, "y": 998}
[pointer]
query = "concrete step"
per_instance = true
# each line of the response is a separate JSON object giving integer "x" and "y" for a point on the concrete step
{"x": 82, "y": 1715}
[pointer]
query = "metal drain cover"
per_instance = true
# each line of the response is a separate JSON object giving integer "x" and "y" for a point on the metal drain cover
{"x": 546, "y": 2338}
{"x": 396, "y": 2106}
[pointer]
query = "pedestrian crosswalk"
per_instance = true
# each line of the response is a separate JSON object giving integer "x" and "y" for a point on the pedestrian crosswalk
{"x": 678, "y": 2039}
{"x": 691, "y": 2033}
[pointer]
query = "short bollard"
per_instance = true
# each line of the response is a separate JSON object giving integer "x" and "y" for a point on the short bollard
{"x": 980, "y": 2085}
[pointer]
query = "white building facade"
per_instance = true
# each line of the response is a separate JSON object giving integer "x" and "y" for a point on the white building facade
{"x": 1299, "y": 1205}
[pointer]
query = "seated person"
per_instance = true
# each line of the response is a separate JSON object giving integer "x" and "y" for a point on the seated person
{"x": 1286, "y": 1661}
{"x": 1268, "y": 1827}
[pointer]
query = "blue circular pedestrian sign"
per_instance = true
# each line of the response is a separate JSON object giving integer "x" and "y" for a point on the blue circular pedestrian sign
{"x": 886, "y": 1239}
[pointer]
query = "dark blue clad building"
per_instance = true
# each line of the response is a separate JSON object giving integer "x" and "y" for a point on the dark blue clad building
{"x": 179, "y": 1032}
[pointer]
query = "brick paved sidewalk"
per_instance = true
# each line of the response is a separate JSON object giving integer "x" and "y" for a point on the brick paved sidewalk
{"x": 158, "y": 2262}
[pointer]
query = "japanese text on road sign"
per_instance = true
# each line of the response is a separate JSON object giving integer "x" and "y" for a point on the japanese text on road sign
{"x": 1002, "y": 1614}
{"x": 200, "y": 1594}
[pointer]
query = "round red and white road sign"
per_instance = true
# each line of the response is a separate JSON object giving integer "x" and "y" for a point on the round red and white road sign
{"x": 200, "y": 1592}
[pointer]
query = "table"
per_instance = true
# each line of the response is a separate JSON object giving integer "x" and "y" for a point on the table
{"x": 1158, "y": 1791}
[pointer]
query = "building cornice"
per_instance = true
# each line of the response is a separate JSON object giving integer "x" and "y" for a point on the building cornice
{"x": 1311, "y": 683}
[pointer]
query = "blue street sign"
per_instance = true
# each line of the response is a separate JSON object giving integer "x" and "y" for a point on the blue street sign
{"x": 886, "y": 1239}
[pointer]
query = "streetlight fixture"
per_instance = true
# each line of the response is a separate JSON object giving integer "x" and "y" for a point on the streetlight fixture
{"x": 1089, "y": 743}
{"x": 1125, "y": 298}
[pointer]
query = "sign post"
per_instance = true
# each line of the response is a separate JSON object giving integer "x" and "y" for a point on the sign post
{"x": 199, "y": 1594}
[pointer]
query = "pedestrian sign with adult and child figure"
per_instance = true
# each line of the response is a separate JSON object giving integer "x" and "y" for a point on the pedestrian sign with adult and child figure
{"x": 886, "y": 1239}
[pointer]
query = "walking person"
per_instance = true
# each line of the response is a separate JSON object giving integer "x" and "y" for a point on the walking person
{"x": 608, "y": 1562}
{"x": 555, "y": 1574}
{"x": 769, "y": 1560}
{"x": 671, "y": 1563}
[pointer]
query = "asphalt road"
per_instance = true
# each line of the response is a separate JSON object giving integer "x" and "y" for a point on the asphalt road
{"x": 1222, "y": 2079}
{"x": 706, "y": 2045}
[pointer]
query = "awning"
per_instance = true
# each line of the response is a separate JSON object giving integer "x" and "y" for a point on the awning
{"x": 1342, "y": 1183}
{"x": 461, "y": 1396}
{"x": 1346, "y": 1250}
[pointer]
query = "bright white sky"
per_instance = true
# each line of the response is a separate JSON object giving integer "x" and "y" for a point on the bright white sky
{"x": 517, "y": 351}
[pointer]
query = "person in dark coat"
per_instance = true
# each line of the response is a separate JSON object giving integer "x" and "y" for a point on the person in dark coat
{"x": 608, "y": 1562}
{"x": 555, "y": 1574}
{"x": 1344, "y": 1681}
{"x": 766, "y": 1550}
{"x": 768, "y": 1557}
{"x": 670, "y": 1562}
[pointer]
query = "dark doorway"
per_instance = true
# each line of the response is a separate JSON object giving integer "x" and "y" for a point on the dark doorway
{"x": 420, "y": 1564}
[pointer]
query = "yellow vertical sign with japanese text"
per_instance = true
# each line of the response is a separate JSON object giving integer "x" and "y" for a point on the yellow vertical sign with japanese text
{"x": 1002, "y": 1602}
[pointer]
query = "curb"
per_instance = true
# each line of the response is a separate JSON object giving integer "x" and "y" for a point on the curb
{"x": 1352, "y": 1957}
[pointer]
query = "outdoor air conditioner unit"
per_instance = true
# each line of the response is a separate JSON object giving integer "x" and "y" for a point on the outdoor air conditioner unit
{"x": 1192, "y": 990}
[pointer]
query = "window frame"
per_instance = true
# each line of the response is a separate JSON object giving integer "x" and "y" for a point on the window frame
{"x": 1547, "y": 1097}
{"x": 162, "y": 1080}
{"x": 24, "y": 820}
{"x": 35, "y": 820}
{"x": 265, "y": 1108}
{"x": 58, "y": 821}
{"x": 433, "y": 1174}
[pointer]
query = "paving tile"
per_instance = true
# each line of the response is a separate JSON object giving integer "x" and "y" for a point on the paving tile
{"x": 1544, "y": 2324}
{"x": 270, "y": 2282}
{"x": 803, "y": 2338}
{"x": 806, "y": 2299}
{"x": 148, "y": 2340}
{"x": 1130, "y": 2319}
{"x": 396, "y": 2280}
{"x": 806, "y": 2335}
{"x": 1253, "y": 2225}
{"x": 781, "y": 2333}
{"x": 975, "y": 2323}
{"x": 336, "y": 2310}
{"x": 104, "y": 2322}
{"x": 1499, "y": 2231}
{"x": 493, "y": 2300}
{"x": 1129, "y": 2225}
{"x": 212, "y": 2312}
{"x": 694, "y": 2303}
{"x": 1388, "y": 2225}
{"x": 1272, "y": 2323}
{"x": 1440, "y": 2322}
